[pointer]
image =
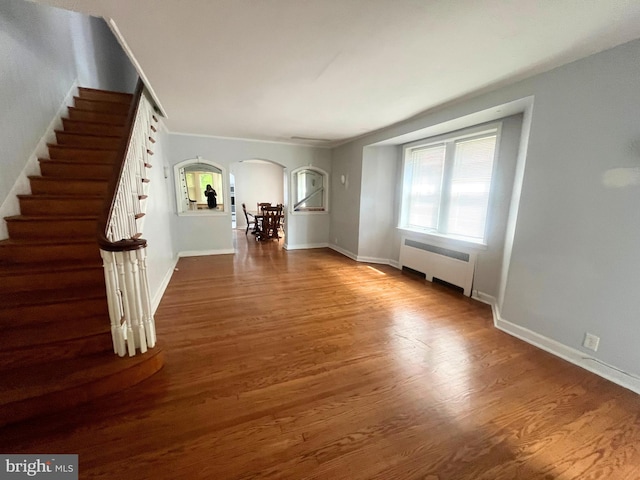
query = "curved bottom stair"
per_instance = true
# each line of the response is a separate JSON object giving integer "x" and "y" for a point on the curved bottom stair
{"x": 31, "y": 391}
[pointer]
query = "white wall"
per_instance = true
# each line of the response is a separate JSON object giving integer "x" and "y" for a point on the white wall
{"x": 158, "y": 221}
{"x": 574, "y": 264}
{"x": 256, "y": 181}
{"x": 212, "y": 233}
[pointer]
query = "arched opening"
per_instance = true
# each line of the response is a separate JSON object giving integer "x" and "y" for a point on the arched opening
{"x": 200, "y": 187}
{"x": 257, "y": 181}
{"x": 309, "y": 190}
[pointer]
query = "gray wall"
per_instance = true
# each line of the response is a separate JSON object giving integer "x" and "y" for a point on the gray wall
{"x": 207, "y": 233}
{"x": 345, "y": 219}
{"x": 43, "y": 50}
{"x": 100, "y": 61}
{"x": 489, "y": 262}
{"x": 574, "y": 264}
{"x": 379, "y": 202}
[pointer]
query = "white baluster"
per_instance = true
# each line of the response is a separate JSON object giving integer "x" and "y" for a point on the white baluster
{"x": 113, "y": 302}
{"x": 149, "y": 323}
{"x": 135, "y": 303}
{"x": 124, "y": 274}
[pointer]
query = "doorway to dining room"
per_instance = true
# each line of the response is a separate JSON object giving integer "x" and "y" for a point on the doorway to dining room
{"x": 256, "y": 181}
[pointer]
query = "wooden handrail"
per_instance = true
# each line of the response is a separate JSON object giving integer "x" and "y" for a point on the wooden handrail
{"x": 114, "y": 183}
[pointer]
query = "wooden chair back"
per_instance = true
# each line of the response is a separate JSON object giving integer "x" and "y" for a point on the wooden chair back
{"x": 246, "y": 216}
{"x": 262, "y": 206}
{"x": 270, "y": 223}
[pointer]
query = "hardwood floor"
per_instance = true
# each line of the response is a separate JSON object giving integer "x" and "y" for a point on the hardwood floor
{"x": 307, "y": 365}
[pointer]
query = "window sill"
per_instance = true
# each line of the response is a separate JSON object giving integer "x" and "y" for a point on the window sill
{"x": 202, "y": 213}
{"x": 441, "y": 240}
{"x": 309, "y": 212}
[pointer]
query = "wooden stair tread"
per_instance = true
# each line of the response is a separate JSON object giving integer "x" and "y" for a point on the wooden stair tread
{"x": 125, "y": 95}
{"x": 41, "y": 297}
{"x": 90, "y": 307}
{"x": 78, "y": 134}
{"x": 44, "y": 267}
{"x": 27, "y": 336}
{"x": 59, "y": 161}
{"x": 19, "y": 384}
{"x": 48, "y": 218}
{"x": 46, "y": 242}
{"x": 89, "y": 115}
{"x": 49, "y": 196}
{"x": 92, "y": 127}
{"x": 103, "y": 377}
{"x": 67, "y": 179}
{"x": 76, "y": 148}
{"x": 92, "y": 122}
{"x": 38, "y": 274}
{"x": 122, "y": 116}
{"x": 105, "y": 101}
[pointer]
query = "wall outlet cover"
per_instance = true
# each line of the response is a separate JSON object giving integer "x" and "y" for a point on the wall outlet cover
{"x": 591, "y": 341}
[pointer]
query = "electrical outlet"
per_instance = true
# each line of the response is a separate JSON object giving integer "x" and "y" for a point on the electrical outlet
{"x": 591, "y": 341}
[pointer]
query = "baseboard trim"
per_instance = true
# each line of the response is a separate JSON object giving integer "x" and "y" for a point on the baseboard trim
{"x": 379, "y": 261}
{"x": 344, "y": 252}
{"x": 202, "y": 253}
{"x": 304, "y": 246}
{"x": 362, "y": 259}
{"x": 157, "y": 298}
{"x": 570, "y": 354}
{"x": 10, "y": 205}
{"x": 395, "y": 264}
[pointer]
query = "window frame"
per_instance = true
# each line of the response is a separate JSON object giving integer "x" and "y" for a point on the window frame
{"x": 450, "y": 138}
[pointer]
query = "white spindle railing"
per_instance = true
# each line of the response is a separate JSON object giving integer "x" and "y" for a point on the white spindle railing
{"x": 123, "y": 252}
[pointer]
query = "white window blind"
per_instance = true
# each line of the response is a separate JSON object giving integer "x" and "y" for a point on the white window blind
{"x": 447, "y": 185}
{"x": 470, "y": 187}
{"x": 426, "y": 186}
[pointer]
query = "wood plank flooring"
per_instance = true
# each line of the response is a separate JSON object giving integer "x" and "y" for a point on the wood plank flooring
{"x": 307, "y": 365}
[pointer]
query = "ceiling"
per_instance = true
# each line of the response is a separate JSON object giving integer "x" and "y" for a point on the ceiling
{"x": 337, "y": 69}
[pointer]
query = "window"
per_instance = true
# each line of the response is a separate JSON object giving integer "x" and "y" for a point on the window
{"x": 309, "y": 190}
{"x": 447, "y": 184}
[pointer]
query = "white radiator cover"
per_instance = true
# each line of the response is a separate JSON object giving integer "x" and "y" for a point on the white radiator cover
{"x": 453, "y": 265}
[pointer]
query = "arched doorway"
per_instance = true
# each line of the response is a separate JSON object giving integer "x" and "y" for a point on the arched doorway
{"x": 256, "y": 181}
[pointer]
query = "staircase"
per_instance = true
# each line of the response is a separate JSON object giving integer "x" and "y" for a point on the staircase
{"x": 55, "y": 347}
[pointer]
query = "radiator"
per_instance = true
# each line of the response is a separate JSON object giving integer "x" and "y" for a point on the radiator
{"x": 453, "y": 266}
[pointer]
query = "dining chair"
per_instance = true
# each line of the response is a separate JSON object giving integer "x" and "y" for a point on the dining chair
{"x": 281, "y": 211}
{"x": 270, "y": 224}
{"x": 263, "y": 205}
{"x": 246, "y": 216}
